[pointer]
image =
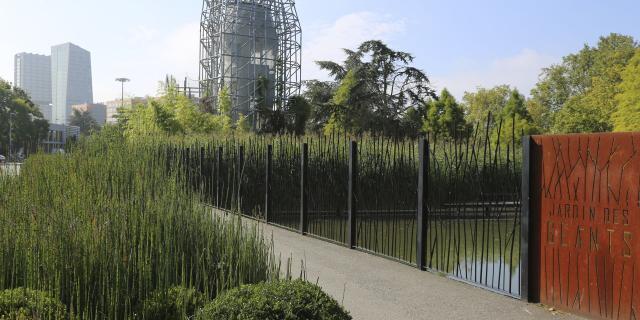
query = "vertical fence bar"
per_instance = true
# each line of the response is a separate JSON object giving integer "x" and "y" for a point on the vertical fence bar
{"x": 201, "y": 159}
{"x": 218, "y": 176}
{"x": 267, "y": 185}
{"x": 423, "y": 185}
{"x": 525, "y": 220}
{"x": 304, "y": 197}
{"x": 353, "y": 176}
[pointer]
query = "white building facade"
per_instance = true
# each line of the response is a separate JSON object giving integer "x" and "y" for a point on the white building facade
{"x": 32, "y": 74}
{"x": 71, "y": 80}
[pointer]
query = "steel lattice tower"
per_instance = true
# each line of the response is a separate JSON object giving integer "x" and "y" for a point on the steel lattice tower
{"x": 249, "y": 46}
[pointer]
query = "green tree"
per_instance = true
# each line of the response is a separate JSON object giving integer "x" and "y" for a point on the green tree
{"x": 299, "y": 111}
{"x": 347, "y": 107}
{"x": 514, "y": 120}
{"x": 578, "y": 94}
{"x": 445, "y": 117}
{"x": 413, "y": 122}
{"x": 485, "y": 101}
{"x": 84, "y": 121}
{"x": 627, "y": 116}
{"x": 28, "y": 127}
{"x": 192, "y": 120}
{"x": 292, "y": 118}
{"x": 319, "y": 94}
{"x": 377, "y": 87}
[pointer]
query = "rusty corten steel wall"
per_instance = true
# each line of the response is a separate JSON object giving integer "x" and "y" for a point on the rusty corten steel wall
{"x": 586, "y": 205}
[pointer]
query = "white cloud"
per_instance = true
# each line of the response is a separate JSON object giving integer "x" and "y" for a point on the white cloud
{"x": 520, "y": 71}
{"x": 348, "y": 31}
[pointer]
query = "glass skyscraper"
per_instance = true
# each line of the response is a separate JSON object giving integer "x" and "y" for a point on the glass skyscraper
{"x": 33, "y": 75}
{"x": 70, "y": 79}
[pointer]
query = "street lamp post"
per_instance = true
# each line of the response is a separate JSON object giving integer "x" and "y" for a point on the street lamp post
{"x": 122, "y": 81}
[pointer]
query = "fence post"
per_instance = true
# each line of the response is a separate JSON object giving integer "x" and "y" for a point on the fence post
{"x": 218, "y": 175}
{"x": 423, "y": 191}
{"x": 525, "y": 221}
{"x": 353, "y": 176}
{"x": 304, "y": 188}
{"x": 267, "y": 184}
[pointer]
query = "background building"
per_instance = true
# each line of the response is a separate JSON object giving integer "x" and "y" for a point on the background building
{"x": 97, "y": 111}
{"x": 113, "y": 106}
{"x": 71, "y": 80}
{"x": 58, "y": 137}
{"x": 32, "y": 74}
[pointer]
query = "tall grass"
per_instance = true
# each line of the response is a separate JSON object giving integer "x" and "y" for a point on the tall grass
{"x": 105, "y": 226}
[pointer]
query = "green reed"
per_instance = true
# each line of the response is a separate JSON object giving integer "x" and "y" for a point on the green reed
{"x": 105, "y": 226}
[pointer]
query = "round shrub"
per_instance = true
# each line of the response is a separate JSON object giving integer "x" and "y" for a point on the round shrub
{"x": 27, "y": 304}
{"x": 288, "y": 300}
{"x": 172, "y": 304}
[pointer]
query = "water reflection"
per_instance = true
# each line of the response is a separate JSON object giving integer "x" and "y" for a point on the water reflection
{"x": 482, "y": 251}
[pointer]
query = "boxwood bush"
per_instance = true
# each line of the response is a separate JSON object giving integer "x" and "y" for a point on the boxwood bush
{"x": 173, "y": 304}
{"x": 26, "y": 304}
{"x": 286, "y": 300}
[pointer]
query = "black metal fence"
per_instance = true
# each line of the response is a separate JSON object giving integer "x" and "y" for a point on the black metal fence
{"x": 450, "y": 206}
{"x": 474, "y": 210}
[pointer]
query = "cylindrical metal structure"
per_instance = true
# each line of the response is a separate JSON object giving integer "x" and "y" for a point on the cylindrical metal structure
{"x": 253, "y": 49}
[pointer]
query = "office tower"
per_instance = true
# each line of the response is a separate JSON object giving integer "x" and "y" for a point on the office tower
{"x": 32, "y": 74}
{"x": 70, "y": 79}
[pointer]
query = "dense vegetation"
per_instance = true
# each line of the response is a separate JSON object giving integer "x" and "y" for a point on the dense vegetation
{"x": 173, "y": 304}
{"x": 291, "y": 300}
{"x": 585, "y": 90}
{"x": 84, "y": 121}
{"x": 25, "y": 304}
{"x": 105, "y": 227}
{"x": 379, "y": 91}
{"x": 20, "y": 118}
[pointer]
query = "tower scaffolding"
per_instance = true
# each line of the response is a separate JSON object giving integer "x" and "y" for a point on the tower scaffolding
{"x": 253, "y": 48}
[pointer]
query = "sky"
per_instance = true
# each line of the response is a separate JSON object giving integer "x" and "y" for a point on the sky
{"x": 460, "y": 45}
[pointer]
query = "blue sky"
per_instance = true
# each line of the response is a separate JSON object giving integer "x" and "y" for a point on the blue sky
{"x": 460, "y": 44}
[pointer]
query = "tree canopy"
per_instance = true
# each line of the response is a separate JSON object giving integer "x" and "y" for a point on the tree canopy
{"x": 578, "y": 95}
{"x": 84, "y": 121}
{"x": 22, "y": 117}
{"x": 172, "y": 113}
{"x": 627, "y": 116}
{"x": 376, "y": 88}
{"x": 445, "y": 117}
